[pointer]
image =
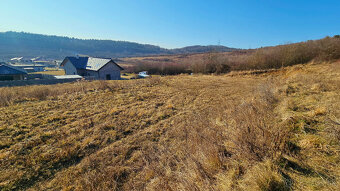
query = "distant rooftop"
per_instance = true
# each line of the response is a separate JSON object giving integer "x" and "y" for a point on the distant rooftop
{"x": 88, "y": 63}
{"x": 6, "y": 69}
{"x": 27, "y": 65}
{"x": 17, "y": 58}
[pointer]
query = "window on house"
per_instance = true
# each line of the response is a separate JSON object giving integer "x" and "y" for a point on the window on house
{"x": 108, "y": 77}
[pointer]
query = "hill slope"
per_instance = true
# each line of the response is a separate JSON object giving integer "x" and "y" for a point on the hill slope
{"x": 276, "y": 131}
{"x": 14, "y": 44}
{"x": 326, "y": 49}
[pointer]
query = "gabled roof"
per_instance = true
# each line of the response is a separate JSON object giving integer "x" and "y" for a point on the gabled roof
{"x": 88, "y": 63}
{"x": 96, "y": 63}
{"x": 78, "y": 62}
{"x": 6, "y": 69}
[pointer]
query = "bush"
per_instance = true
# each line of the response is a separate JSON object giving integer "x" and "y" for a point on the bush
{"x": 326, "y": 49}
{"x": 212, "y": 63}
{"x": 291, "y": 54}
{"x": 161, "y": 69}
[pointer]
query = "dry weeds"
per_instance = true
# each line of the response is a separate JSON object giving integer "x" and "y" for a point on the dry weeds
{"x": 270, "y": 131}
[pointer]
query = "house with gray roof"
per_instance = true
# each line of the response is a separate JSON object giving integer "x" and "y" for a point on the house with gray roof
{"x": 93, "y": 68}
{"x": 8, "y": 72}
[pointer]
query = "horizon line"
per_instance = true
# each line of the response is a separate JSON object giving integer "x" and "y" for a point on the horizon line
{"x": 144, "y": 43}
{"x": 128, "y": 41}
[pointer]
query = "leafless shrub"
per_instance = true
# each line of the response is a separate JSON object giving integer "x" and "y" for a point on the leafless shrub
{"x": 267, "y": 92}
{"x": 213, "y": 62}
{"x": 326, "y": 49}
{"x": 162, "y": 68}
{"x": 291, "y": 54}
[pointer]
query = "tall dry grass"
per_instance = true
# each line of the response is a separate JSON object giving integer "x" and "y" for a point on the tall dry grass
{"x": 209, "y": 149}
{"x": 12, "y": 95}
{"x": 274, "y": 131}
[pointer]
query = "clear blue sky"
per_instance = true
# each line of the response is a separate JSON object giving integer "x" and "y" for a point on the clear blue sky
{"x": 177, "y": 23}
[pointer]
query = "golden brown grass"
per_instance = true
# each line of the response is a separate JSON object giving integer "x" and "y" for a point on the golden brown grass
{"x": 52, "y": 72}
{"x": 265, "y": 131}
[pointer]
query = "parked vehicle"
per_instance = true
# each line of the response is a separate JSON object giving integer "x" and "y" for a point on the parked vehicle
{"x": 143, "y": 74}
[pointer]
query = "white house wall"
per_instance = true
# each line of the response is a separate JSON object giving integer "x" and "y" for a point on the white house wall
{"x": 70, "y": 69}
{"x": 111, "y": 69}
{"x": 93, "y": 74}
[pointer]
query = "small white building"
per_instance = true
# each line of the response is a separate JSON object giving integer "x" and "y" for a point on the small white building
{"x": 94, "y": 68}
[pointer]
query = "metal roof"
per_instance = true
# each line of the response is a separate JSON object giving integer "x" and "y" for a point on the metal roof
{"x": 6, "y": 69}
{"x": 78, "y": 62}
{"x": 17, "y": 58}
{"x": 89, "y": 63}
{"x": 27, "y": 65}
{"x": 96, "y": 63}
{"x": 68, "y": 77}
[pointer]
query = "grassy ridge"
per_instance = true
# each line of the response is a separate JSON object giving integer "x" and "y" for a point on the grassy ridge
{"x": 326, "y": 49}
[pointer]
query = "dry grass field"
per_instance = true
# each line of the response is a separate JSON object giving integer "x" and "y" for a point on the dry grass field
{"x": 278, "y": 130}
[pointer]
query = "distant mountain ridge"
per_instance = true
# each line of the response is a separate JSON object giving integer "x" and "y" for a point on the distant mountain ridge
{"x": 14, "y": 44}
